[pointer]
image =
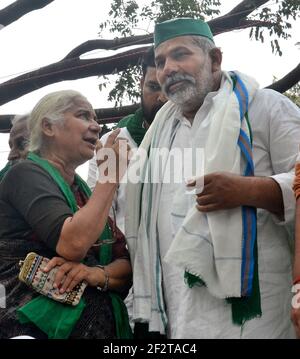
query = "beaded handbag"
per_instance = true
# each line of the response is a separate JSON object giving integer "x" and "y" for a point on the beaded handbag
{"x": 32, "y": 274}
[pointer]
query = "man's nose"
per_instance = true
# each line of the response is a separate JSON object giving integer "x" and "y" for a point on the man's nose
{"x": 162, "y": 98}
{"x": 171, "y": 67}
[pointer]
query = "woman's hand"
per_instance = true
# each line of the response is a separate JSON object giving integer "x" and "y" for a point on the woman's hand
{"x": 71, "y": 273}
{"x": 112, "y": 158}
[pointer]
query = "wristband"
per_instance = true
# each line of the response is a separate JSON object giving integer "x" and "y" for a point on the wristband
{"x": 106, "y": 280}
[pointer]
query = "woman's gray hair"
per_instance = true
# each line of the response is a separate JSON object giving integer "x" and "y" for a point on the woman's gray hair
{"x": 204, "y": 43}
{"x": 51, "y": 107}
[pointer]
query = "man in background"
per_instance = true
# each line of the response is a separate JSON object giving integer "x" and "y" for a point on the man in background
{"x": 18, "y": 140}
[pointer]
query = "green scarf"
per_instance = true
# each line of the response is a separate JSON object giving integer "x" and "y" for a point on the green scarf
{"x": 134, "y": 124}
{"x": 4, "y": 170}
{"x": 57, "y": 319}
{"x": 244, "y": 308}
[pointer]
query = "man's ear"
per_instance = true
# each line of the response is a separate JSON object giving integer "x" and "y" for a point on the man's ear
{"x": 216, "y": 59}
{"x": 47, "y": 127}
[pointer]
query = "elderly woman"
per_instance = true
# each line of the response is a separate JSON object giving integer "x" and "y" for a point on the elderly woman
{"x": 46, "y": 208}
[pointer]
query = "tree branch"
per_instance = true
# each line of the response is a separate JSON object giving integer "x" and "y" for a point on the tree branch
{"x": 246, "y": 7}
{"x": 19, "y": 8}
{"x": 104, "y": 116}
{"x": 5, "y": 123}
{"x": 288, "y": 81}
{"x": 70, "y": 69}
{"x": 114, "y": 113}
{"x": 109, "y": 44}
{"x": 233, "y": 19}
{"x": 244, "y": 24}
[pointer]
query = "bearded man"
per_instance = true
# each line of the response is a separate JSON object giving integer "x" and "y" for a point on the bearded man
{"x": 218, "y": 264}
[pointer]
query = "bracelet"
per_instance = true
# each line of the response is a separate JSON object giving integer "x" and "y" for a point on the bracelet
{"x": 106, "y": 280}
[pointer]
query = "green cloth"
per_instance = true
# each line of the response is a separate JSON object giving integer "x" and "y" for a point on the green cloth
{"x": 247, "y": 308}
{"x": 180, "y": 27}
{"x": 134, "y": 125}
{"x": 4, "y": 170}
{"x": 56, "y": 319}
{"x": 244, "y": 308}
{"x": 123, "y": 328}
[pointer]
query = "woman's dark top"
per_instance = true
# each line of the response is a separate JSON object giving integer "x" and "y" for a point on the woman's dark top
{"x": 32, "y": 213}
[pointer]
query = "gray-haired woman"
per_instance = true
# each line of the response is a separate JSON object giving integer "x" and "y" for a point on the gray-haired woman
{"x": 46, "y": 208}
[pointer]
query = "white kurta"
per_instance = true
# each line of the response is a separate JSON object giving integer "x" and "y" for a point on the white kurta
{"x": 194, "y": 313}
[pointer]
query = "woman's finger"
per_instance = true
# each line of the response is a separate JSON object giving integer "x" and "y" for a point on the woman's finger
{"x": 70, "y": 278}
{"x": 55, "y": 261}
{"x": 61, "y": 274}
{"x": 111, "y": 139}
{"x": 79, "y": 277}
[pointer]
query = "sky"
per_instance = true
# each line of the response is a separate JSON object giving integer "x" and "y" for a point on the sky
{"x": 47, "y": 35}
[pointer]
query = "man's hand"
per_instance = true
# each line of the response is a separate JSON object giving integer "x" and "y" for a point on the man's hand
{"x": 222, "y": 190}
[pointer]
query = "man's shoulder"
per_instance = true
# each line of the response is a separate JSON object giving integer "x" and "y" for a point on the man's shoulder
{"x": 268, "y": 106}
{"x": 271, "y": 100}
{"x": 270, "y": 96}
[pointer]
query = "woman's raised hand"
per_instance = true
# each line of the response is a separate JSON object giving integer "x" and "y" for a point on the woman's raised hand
{"x": 112, "y": 158}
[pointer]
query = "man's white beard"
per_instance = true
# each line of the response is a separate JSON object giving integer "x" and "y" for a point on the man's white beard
{"x": 193, "y": 94}
{"x": 184, "y": 95}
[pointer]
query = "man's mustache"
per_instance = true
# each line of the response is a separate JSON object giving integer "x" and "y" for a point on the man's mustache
{"x": 173, "y": 79}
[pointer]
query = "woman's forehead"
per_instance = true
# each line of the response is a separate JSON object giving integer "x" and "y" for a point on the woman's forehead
{"x": 82, "y": 104}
